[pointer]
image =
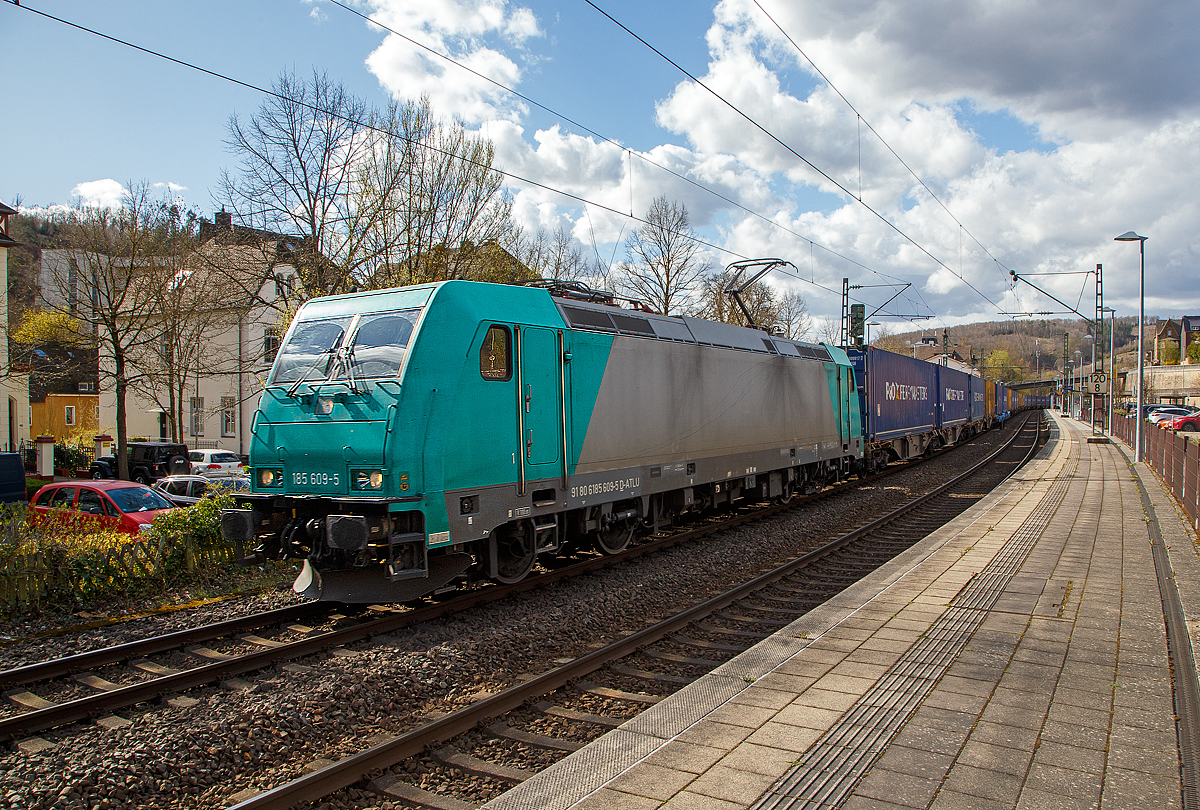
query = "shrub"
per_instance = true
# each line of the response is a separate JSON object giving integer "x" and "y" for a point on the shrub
{"x": 191, "y": 533}
{"x": 1193, "y": 351}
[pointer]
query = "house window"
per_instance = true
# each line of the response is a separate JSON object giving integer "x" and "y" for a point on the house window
{"x": 70, "y": 416}
{"x": 87, "y": 388}
{"x": 270, "y": 345}
{"x": 228, "y": 416}
{"x": 197, "y": 416}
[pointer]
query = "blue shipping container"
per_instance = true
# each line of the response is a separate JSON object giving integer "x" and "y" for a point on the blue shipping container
{"x": 978, "y": 398}
{"x": 954, "y": 404}
{"x": 897, "y": 395}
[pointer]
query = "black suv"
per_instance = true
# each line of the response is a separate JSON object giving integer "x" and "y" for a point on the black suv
{"x": 148, "y": 462}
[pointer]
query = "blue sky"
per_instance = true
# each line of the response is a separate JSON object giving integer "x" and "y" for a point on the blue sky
{"x": 1045, "y": 129}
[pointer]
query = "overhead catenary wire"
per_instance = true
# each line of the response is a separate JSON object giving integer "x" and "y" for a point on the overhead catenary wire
{"x": 604, "y": 138}
{"x": 366, "y": 125}
{"x": 792, "y": 151}
{"x": 862, "y": 121}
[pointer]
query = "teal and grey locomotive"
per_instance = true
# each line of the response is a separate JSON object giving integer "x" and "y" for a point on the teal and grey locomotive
{"x": 411, "y": 438}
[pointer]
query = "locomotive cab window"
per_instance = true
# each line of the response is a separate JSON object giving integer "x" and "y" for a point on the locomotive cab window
{"x": 319, "y": 349}
{"x": 495, "y": 360}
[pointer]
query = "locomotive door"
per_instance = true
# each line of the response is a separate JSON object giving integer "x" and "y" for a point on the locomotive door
{"x": 541, "y": 402}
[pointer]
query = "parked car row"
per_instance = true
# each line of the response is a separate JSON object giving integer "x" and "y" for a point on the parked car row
{"x": 126, "y": 506}
{"x": 1175, "y": 417}
{"x": 151, "y": 461}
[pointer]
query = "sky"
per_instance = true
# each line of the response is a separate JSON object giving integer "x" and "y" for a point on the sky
{"x": 931, "y": 143}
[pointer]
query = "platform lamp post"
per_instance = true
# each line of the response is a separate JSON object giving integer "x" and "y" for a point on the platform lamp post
{"x": 1092, "y": 397}
{"x": 869, "y": 325}
{"x": 1079, "y": 381}
{"x": 1069, "y": 389}
{"x": 1130, "y": 236}
{"x": 1112, "y": 328}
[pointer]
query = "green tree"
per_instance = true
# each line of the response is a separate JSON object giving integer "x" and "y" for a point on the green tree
{"x": 1168, "y": 352}
{"x": 1193, "y": 351}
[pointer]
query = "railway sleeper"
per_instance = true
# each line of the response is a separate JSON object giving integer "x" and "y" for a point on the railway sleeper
{"x": 397, "y": 788}
{"x": 507, "y": 732}
{"x": 545, "y": 707}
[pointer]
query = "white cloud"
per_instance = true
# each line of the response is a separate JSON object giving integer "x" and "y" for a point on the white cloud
{"x": 471, "y": 32}
{"x": 107, "y": 193}
{"x": 1108, "y": 86}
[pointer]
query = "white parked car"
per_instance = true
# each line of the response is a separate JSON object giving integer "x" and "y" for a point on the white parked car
{"x": 215, "y": 463}
{"x": 185, "y": 490}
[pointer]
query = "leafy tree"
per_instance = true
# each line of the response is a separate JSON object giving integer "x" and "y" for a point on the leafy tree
{"x": 663, "y": 265}
{"x": 1000, "y": 364}
{"x": 1193, "y": 351}
{"x": 1168, "y": 352}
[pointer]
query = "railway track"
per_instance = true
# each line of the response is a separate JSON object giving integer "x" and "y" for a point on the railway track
{"x": 464, "y": 758}
{"x": 98, "y": 683}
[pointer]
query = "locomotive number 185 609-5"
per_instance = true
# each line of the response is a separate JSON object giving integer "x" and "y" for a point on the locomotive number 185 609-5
{"x": 315, "y": 479}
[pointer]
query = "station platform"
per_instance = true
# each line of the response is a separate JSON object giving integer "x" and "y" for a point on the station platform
{"x": 1015, "y": 658}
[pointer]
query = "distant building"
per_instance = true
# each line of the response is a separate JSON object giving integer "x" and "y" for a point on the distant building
{"x": 14, "y": 383}
{"x": 1181, "y": 333}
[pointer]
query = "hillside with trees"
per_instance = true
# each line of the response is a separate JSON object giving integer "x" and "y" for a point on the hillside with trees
{"x": 1019, "y": 350}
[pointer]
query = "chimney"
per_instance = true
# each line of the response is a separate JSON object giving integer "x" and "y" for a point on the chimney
{"x": 223, "y": 220}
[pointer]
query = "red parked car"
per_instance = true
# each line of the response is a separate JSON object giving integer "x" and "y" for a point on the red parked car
{"x": 1189, "y": 421}
{"x": 122, "y": 505}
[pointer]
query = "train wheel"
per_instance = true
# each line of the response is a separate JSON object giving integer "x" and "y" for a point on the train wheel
{"x": 615, "y": 538}
{"x": 515, "y": 552}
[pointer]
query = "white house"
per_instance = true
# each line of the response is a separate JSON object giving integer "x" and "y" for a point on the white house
{"x": 14, "y": 386}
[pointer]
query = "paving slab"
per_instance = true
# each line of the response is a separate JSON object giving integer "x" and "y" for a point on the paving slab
{"x": 1015, "y": 658}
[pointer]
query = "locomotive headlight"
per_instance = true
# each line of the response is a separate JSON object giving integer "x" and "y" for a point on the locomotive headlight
{"x": 270, "y": 478}
{"x": 367, "y": 479}
{"x": 324, "y": 406}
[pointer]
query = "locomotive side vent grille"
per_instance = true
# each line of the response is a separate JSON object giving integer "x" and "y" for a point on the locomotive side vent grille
{"x": 627, "y": 323}
{"x": 589, "y": 319}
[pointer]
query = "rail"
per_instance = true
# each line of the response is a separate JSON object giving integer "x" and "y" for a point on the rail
{"x": 346, "y": 772}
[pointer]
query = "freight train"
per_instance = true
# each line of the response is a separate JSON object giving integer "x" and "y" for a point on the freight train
{"x": 410, "y": 439}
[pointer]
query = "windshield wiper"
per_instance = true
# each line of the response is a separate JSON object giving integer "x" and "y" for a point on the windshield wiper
{"x": 291, "y": 392}
{"x": 350, "y": 363}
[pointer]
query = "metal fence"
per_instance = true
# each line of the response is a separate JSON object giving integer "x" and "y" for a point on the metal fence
{"x": 1173, "y": 457}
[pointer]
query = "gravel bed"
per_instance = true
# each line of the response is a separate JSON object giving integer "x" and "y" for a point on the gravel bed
{"x": 23, "y": 643}
{"x": 234, "y": 740}
{"x": 560, "y": 728}
{"x": 594, "y": 704}
{"x": 506, "y": 752}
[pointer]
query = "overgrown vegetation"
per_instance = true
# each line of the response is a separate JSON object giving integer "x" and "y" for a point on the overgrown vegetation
{"x": 73, "y": 561}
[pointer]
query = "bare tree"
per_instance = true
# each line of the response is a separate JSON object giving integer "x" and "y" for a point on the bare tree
{"x": 829, "y": 330}
{"x": 663, "y": 264}
{"x": 716, "y": 305}
{"x": 554, "y": 256}
{"x": 110, "y": 280}
{"x": 376, "y": 198}
{"x": 793, "y": 316}
{"x": 300, "y": 160}
{"x": 192, "y": 298}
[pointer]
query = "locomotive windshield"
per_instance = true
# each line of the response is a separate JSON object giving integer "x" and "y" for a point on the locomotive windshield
{"x": 319, "y": 350}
